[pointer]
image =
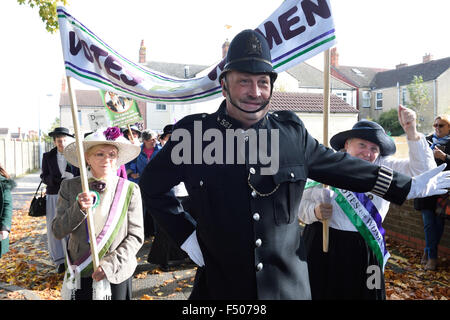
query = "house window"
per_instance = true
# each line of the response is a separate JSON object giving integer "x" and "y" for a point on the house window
{"x": 342, "y": 95}
{"x": 404, "y": 96}
{"x": 161, "y": 107}
{"x": 379, "y": 100}
{"x": 366, "y": 99}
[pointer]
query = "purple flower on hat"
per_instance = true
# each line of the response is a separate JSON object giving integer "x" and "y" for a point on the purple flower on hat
{"x": 112, "y": 133}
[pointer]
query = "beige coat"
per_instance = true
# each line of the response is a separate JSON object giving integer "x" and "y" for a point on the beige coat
{"x": 119, "y": 262}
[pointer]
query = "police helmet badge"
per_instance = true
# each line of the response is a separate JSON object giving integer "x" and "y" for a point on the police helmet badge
{"x": 253, "y": 46}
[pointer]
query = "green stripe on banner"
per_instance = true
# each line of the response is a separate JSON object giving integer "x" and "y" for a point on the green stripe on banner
{"x": 304, "y": 51}
{"x": 136, "y": 95}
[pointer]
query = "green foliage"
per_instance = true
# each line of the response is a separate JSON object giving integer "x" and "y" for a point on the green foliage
{"x": 56, "y": 123}
{"x": 389, "y": 121}
{"x": 47, "y": 11}
{"x": 419, "y": 98}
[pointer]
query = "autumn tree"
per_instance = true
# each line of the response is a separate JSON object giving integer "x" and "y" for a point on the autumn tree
{"x": 419, "y": 97}
{"x": 47, "y": 11}
{"x": 56, "y": 123}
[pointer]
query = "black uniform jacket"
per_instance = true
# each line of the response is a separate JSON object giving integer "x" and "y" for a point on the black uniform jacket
{"x": 51, "y": 175}
{"x": 246, "y": 222}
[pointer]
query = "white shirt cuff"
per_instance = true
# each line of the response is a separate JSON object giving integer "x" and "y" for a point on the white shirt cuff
{"x": 192, "y": 248}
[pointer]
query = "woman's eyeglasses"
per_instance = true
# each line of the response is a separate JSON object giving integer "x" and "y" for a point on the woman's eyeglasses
{"x": 111, "y": 155}
{"x": 440, "y": 125}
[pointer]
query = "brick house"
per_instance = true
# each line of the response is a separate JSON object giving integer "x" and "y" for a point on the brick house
{"x": 389, "y": 89}
{"x": 381, "y": 90}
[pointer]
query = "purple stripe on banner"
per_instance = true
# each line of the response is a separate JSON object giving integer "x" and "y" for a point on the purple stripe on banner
{"x": 115, "y": 52}
{"x": 370, "y": 207}
{"x": 112, "y": 213}
{"x": 131, "y": 62}
{"x": 135, "y": 92}
{"x": 303, "y": 45}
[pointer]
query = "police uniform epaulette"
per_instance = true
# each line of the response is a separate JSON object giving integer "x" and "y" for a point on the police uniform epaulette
{"x": 285, "y": 115}
{"x": 189, "y": 119}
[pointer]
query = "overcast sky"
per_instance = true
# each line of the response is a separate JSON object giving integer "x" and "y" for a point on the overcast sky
{"x": 369, "y": 33}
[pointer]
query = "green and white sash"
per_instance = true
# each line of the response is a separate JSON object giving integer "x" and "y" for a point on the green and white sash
{"x": 364, "y": 215}
{"x": 117, "y": 214}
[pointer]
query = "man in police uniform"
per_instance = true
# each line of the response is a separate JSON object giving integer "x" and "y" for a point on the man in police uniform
{"x": 246, "y": 237}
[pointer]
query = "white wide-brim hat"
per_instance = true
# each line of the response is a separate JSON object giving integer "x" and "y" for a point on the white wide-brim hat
{"x": 110, "y": 136}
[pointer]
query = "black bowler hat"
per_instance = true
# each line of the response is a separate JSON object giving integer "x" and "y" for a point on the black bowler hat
{"x": 58, "y": 131}
{"x": 367, "y": 130}
{"x": 168, "y": 129}
{"x": 249, "y": 52}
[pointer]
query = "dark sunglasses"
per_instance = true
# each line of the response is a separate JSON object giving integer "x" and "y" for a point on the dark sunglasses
{"x": 438, "y": 125}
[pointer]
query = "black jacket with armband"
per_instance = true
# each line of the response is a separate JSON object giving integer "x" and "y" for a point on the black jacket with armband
{"x": 246, "y": 223}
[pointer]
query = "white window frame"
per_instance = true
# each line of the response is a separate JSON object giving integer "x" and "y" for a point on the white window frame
{"x": 368, "y": 100}
{"x": 158, "y": 105}
{"x": 404, "y": 96}
{"x": 377, "y": 99}
{"x": 343, "y": 96}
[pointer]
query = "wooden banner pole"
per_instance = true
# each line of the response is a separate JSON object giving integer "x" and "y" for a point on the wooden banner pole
{"x": 326, "y": 116}
{"x": 83, "y": 172}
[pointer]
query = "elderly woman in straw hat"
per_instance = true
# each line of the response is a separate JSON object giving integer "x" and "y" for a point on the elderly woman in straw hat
{"x": 116, "y": 206}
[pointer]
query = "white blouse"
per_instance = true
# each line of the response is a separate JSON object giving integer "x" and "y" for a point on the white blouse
{"x": 421, "y": 159}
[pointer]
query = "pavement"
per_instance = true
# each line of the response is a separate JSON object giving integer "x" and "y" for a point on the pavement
{"x": 149, "y": 282}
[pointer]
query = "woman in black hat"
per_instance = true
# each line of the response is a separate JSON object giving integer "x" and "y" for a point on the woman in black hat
{"x": 354, "y": 264}
{"x": 165, "y": 136}
{"x": 55, "y": 169}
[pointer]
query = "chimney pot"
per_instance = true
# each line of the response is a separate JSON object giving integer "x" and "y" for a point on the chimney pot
{"x": 225, "y": 47}
{"x": 142, "y": 53}
{"x": 427, "y": 57}
{"x": 334, "y": 57}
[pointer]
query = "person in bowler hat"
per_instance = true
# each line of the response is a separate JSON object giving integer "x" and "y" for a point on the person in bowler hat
{"x": 165, "y": 136}
{"x": 246, "y": 239}
{"x": 55, "y": 169}
{"x": 342, "y": 272}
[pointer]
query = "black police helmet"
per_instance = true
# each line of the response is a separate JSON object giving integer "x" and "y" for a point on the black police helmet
{"x": 249, "y": 52}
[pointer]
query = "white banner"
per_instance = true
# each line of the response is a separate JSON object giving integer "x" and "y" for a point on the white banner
{"x": 296, "y": 31}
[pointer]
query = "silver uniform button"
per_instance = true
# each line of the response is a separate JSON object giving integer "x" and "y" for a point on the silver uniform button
{"x": 254, "y": 194}
{"x": 292, "y": 175}
{"x": 259, "y": 266}
{"x": 258, "y": 242}
{"x": 201, "y": 183}
{"x": 252, "y": 170}
{"x": 256, "y": 217}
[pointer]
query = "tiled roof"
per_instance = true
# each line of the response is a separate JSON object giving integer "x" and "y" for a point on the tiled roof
{"x": 359, "y": 76}
{"x": 428, "y": 70}
{"x": 85, "y": 98}
{"x": 175, "y": 69}
{"x": 311, "y": 77}
{"x": 307, "y": 102}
